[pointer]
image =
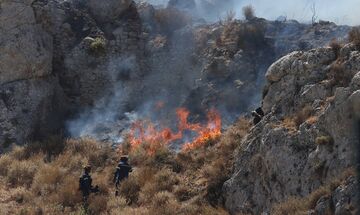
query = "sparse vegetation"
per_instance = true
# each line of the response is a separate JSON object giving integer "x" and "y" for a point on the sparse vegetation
{"x": 163, "y": 183}
{"x": 293, "y": 122}
{"x": 354, "y": 36}
{"x": 338, "y": 75}
{"x": 335, "y": 45}
{"x": 299, "y": 206}
{"x": 98, "y": 46}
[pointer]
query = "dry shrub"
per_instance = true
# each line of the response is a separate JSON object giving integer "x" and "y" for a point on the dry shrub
{"x": 68, "y": 195}
{"x": 248, "y": 12}
{"x": 5, "y": 162}
{"x": 96, "y": 154}
{"x": 21, "y": 173}
{"x": 300, "y": 206}
{"x": 200, "y": 208}
{"x": 132, "y": 211}
{"x": 52, "y": 146}
{"x": 171, "y": 19}
{"x": 163, "y": 180}
{"x": 130, "y": 189}
{"x": 312, "y": 120}
{"x": 294, "y": 206}
{"x": 335, "y": 45}
{"x": 70, "y": 161}
{"x": 183, "y": 192}
{"x": 103, "y": 179}
{"x": 164, "y": 203}
{"x": 116, "y": 204}
{"x": 19, "y": 153}
{"x": 339, "y": 76}
{"x": 354, "y": 36}
{"x": 47, "y": 179}
{"x": 302, "y": 115}
{"x": 21, "y": 195}
{"x": 216, "y": 174}
{"x": 97, "y": 204}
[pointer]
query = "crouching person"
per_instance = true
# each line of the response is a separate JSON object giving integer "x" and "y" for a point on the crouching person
{"x": 122, "y": 172}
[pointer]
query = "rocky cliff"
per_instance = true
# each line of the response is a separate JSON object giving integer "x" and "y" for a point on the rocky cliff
{"x": 308, "y": 138}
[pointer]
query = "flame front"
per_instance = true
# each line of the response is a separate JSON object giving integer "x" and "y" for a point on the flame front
{"x": 155, "y": 136}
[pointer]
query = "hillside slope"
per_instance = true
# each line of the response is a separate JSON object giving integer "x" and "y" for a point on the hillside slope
{"x": 308, "y": 138}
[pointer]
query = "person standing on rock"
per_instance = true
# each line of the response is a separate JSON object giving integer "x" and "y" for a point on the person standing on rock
{"x": 122, "y": 172}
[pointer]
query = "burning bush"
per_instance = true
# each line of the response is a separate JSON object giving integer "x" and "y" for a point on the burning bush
{"x": 149, "y": 136}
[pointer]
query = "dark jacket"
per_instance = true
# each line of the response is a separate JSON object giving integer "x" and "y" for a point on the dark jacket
{"x": 85, "y": 184}
{"x": 122, "y": 172}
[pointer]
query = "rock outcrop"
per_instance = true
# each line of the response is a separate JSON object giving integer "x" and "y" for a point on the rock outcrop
{"x": 308, "y": 137}
{"x": 27, "y": 88}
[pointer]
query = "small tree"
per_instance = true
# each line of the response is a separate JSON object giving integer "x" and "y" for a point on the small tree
{"x": 248, "y": 12}
{"x": 314, "y": 15}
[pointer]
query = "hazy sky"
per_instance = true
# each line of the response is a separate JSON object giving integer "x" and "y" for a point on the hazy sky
{"x": 338, "y": 11}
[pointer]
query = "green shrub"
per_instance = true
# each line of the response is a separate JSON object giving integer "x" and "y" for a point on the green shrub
{"x": 98, "y": 46}
{"x": 324, "y": 140}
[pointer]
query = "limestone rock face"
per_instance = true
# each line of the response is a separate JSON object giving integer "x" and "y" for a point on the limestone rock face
{"x": 278, "y": 159}
{"x": 108, "y": 10}
{"x": 28, "y": 108}
{"x": 26, "y": 50}
{"x": 27, "y": 89}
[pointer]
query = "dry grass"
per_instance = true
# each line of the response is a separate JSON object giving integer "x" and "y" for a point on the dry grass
{"x": 293, "y": 122}
{"x": 162, "y": 183}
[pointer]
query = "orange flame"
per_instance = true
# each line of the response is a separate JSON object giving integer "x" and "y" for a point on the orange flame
{"x": 146, "y": 132}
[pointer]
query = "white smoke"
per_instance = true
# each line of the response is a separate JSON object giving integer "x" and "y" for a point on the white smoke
{"x": 110, "y": 108}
